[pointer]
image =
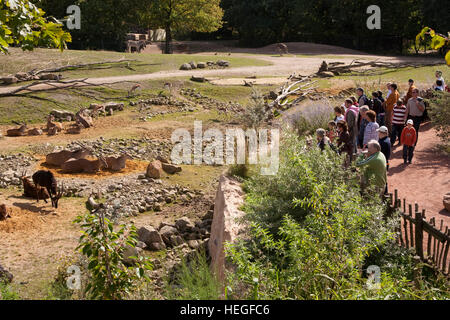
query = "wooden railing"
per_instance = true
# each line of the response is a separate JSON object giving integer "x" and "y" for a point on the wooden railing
{"x": 430, "y": 243}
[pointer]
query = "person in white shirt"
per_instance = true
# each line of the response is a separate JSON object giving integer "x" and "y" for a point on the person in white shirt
{"x": 440, "y": 78}
{"x": 389, "y": 90}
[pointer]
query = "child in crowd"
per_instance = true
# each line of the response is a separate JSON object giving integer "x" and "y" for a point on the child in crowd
{"x": 339, "y": 114}
{"x": 332, "y": 131}
{"x": 408, "y": 140}
{"x": 398, "y": 121}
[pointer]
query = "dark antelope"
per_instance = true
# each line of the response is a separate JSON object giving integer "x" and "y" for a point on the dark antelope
{"x": 47, "y": 180}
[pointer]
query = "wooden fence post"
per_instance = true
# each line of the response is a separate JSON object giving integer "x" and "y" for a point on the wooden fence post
{"x": 419, "y": 234}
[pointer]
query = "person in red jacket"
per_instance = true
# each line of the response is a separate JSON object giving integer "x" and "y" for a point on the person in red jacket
{"x": 408, "y": 140}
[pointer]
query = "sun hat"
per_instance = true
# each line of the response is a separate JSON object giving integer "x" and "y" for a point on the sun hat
{"x": 383, "y": 129}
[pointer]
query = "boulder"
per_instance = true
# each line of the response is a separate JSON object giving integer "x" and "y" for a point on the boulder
{"x": 185, "y": 66}
{"x": 193, "y": 65}
{"x": 115, "y": 106}
{"x": 154, "y": 170}
{"x": 176, "y": 241}
{"x": 167, "y": 232}
{"x": 151, "y": 238}
{"x": 447, "y": 202}
{"x": 10, "y": 80}
{"x": 184, "y": 224}
{"x": 201, "y": 65}
{"x": 170, "y": 168}
{"x": 49, "y": 76}
{"x": 22, "y": 76}
{"x": 223, "y": 63}
{"x": 162, "y": 159}
{"x": 63, "y": 115}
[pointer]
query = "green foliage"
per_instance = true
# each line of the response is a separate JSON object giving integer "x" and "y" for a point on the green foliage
{"x": 440, "y": 115}
{"x": 256, "y": 112}
{"x": 194, "y": 281}
{"x": 7, "y": 293}
{"x": 438, "y": 41}
{"x": 23, "y": 24}
{"x": 313, "y": 236}
{"x": 110, "y": 278}
{"x": 334, "y": 22}
{"x": 182, "y": 15}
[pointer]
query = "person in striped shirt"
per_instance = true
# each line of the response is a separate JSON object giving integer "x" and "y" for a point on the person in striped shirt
{"x": 398, "y": 121}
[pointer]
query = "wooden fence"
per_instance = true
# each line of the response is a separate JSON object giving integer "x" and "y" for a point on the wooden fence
{"x": 431, "y": 243}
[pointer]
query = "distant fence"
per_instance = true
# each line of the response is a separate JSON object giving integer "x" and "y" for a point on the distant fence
{"x": 430, "y": 243}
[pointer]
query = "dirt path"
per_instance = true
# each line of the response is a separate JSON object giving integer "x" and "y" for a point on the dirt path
{"x": 427, "y": 179}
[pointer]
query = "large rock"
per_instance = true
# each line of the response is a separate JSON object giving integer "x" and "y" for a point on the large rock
{"x": 63, "y": 115}
{"x": 193, "y": 65}
{"x": 225, "y": 226}
{"x": 185, "y": 66}
{"x": 447, "y": 202}
{"x": 10, "y": 80}
{"x": 184, "y": 224}
{"x": 49, "y": 76}
{"x": 201, "y": 65}
{"x": 151, "y": 238}
{"x": 170, "y": 168}
{"x": 223, "y": 63}
{"x": 154, "y": 170}
{"x": 167, "y": 232}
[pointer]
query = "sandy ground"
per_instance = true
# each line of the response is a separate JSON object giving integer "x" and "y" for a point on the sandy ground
{"x": 426, "y": 180}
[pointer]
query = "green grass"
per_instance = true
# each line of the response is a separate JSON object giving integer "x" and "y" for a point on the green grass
{"x": 19, "y": 61}
{"x": 422, "y": 76}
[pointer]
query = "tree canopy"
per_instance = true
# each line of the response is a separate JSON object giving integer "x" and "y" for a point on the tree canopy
{"x": 183, "y": 15}
{"x": 23, "y": 24}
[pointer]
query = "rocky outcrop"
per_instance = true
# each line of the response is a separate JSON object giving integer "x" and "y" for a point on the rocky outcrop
{"x": 170, "y": 168}
{"x": 225, "y": 227}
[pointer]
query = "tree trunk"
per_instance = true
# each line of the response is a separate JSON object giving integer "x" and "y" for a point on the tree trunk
{"x": 168, "y": 49}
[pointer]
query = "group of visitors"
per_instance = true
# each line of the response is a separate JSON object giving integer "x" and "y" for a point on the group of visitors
{"x": 367, "y": 129}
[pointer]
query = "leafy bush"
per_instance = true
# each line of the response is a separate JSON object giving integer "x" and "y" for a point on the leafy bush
{"x": 7, "y": 293}
{"x": 109, "y": 277}
{"x": 256, "y": 112}
{"x": 313, "y": 235}
{"x": 440, "y": 116}
{"x": 313, "y": 115}
{"x": 194, "y": 281}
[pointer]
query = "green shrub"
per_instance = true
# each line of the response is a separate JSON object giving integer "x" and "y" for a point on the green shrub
{"x": 194, "y": 281}
{"x": 313, "y": 236}
{"x": 440, "y": 116}
{"x": 109, "y": 277}
{"x": 7, "y": 293}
